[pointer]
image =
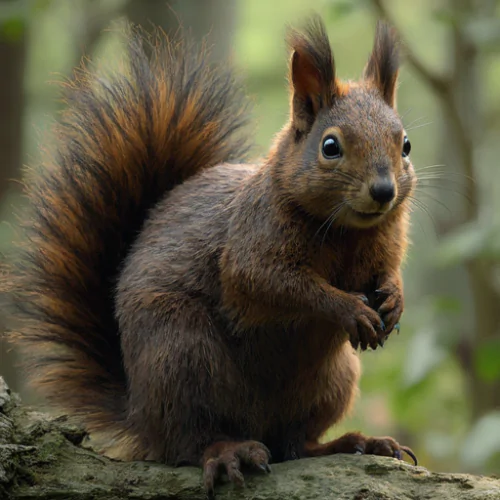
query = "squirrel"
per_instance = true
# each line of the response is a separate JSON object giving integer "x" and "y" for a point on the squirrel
{"x": 198, "y": 309}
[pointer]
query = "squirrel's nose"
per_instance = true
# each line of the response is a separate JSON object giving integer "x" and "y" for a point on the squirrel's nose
{"x": 383, "y": 191}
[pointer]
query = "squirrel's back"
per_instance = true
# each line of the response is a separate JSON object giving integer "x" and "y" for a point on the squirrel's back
{"x": 124, "y": 140}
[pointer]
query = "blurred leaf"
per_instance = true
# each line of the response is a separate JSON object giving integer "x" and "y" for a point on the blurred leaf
{"x": 483, "y": 441}
{"x": 12, "y": 30}
{"x": 424, "y": 354}
{"x": 445, "y": 16}
{"x": 487, "y": 360}
{"x": 485, "y": 32}
{"x": 469, "y": 241}
{"x": 439, "y": 313}
{"x": 447, "y": 304}
{"x": 13, "y": 16}
{"x": 11, "y": 9}
{"x": 439, "y": 444}
{"x": 39, "y": 5}
{"x": 341, "y": 8}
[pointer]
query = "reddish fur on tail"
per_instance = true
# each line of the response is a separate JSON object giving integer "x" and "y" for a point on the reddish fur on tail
{"x": 123, "y": 142}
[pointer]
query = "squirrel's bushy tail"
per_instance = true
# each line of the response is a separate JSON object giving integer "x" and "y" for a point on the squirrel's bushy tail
{"x": 124, "y": 140}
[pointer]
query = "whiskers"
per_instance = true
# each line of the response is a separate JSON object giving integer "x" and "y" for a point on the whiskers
{"x": 417, "y": 204}
{"x": 414, "y": 124}
{"x": 327, "y": 224}
{"x": 417, "y": 125}
{"x": 430, "y": 178}
{"x": 440, "y": 171}
{"x": 345, "y": 182}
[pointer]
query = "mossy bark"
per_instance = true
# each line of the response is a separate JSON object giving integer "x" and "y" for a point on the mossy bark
{"x": 42, "y": 457}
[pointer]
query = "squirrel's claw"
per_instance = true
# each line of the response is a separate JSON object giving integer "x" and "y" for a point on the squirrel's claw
{"x": 390, "y": 306}
{"x": 265, "y": 467}
{"x": 410, "y": 453}
{"x": 227, "y": 457}
{"x": 367, "y": 328}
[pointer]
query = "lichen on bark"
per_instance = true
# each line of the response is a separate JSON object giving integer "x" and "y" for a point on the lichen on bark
{"x": 42, "y": 458}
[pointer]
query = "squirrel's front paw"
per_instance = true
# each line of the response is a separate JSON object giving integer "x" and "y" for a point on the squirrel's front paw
{"x": 364, "y": 325}
{"x": 390, "y": 296}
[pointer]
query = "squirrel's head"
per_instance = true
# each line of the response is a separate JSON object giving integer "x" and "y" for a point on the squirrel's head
{"x": 345, "y": 153}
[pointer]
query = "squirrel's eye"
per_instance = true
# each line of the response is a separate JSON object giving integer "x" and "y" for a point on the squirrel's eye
{"x": 331, "y": 148}
{"x": 406, "y": 146}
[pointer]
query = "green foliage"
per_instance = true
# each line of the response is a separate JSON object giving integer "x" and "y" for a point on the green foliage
{"x": 487, "y": 360}
{"x": 338, "y": 9}
{"x": 15, "y": 14}
{"x": 424, "y": 355}
{"x": 12, "y": 29}
{"x": 482, "y": 442}
{"x": 486, "y": 33}
{"x": 12, "y": 19}
{"x": 470, "y": 241}
{"x": 428, "y": 347}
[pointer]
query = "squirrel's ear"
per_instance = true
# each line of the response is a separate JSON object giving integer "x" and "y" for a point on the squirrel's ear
{"x": 312, "y": 73}
{"x": 383, "y": 66}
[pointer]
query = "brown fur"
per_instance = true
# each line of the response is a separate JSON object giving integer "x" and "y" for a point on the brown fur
{"x": 239, "y": 302}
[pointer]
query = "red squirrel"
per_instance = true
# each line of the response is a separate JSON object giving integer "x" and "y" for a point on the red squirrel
{"x": 199, "y": 309}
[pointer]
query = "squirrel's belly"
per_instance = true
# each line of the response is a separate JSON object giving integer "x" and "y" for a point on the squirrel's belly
{"x": 297, "y": 366}
{"x": 315, "y": 393}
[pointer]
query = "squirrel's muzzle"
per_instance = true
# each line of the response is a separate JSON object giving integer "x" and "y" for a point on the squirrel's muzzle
{"x": 383, "y": 191}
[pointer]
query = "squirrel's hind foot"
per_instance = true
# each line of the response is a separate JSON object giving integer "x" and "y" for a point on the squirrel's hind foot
{"x": 358, "y": 444}
{"x": 228, "y": 457}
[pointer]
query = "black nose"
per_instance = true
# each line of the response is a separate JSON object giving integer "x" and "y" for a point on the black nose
{"x": 382, "y": 191}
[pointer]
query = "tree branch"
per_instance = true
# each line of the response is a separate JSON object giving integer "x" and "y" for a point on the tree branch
{"x": 439, "y": 83}
{"x": 42, "y": 458}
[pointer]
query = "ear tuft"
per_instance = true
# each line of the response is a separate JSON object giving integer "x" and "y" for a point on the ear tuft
{"x": 312, "y": 72}
{"x": 383, "y": 66}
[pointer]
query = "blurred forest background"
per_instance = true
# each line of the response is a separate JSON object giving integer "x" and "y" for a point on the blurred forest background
{"x": 436, "y": 386}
